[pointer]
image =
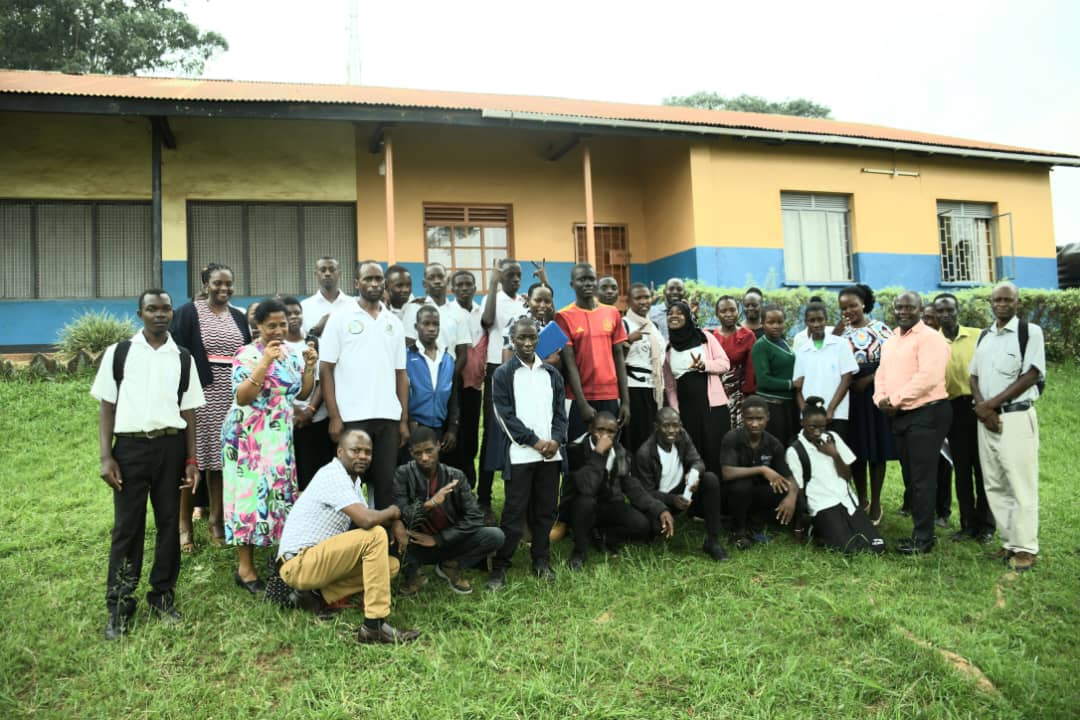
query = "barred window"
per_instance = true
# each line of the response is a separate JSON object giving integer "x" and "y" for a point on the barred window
{"x": 272, "y": 247}
{"x": 467, "y": 237}
{"x": 75, "y": 249}
{"x": 966, "y": 240}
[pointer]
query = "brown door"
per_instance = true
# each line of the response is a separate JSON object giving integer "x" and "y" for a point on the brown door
{"x": 612, "y": 254}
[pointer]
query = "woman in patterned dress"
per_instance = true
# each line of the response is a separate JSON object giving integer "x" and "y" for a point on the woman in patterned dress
{"x": 212, "y": 330}
{"x": 871, "y": 435}
{"x": 737, "y": 341}
{"x": 258, "y": 465}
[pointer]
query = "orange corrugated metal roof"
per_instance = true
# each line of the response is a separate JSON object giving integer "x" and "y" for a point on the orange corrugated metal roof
{"x": 180, "y": 89}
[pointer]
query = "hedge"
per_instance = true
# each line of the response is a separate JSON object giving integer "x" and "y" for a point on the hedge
{"x": 1056, "y": 311}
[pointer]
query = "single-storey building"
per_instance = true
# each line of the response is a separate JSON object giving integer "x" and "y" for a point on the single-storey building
{"x": 112, "y": 184}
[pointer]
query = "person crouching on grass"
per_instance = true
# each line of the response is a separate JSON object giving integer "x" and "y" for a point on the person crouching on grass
{"x": 326, "y": 561}
{"x": 445, "y": 523}
{"x": 150, "y": 411}
{"x": 821, "y": 461}
{"x": 529, "y": 403}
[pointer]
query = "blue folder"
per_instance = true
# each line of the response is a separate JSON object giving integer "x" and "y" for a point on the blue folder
{"x": 552, "y": 338}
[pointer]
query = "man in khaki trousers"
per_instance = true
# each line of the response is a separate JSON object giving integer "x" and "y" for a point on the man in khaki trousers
{"x": 325, "y": 560}
{"x": 1009, "y": 362}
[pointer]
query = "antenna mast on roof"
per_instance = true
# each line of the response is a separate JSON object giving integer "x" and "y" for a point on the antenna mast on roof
{"x": 352, "y": 66}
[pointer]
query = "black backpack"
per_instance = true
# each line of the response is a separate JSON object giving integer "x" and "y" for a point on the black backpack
{"x": 120, "y": 358}
{"x": 1022, "y": 337}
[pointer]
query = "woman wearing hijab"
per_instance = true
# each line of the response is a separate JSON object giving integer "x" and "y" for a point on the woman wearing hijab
{"x": 645, "y": 347}
{"x": 693, "y": 371}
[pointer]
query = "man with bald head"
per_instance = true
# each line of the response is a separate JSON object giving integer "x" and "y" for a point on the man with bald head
{"x": 326, "y": 561}
{"x": 1006, "y": 372}
{"x": 910, "y": 389}
{"x": 673, "y": 290}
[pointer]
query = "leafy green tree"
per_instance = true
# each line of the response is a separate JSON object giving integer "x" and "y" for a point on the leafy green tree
{"x": 118, "y": 37}
{"x": 800, "y": 107}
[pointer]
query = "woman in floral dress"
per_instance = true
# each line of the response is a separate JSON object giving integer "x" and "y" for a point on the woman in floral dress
{"x": 257, "y": 446}
{"x": 871, "y": 436}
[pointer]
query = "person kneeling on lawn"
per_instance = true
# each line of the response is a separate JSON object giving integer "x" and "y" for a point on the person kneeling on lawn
{"x": 756, "y": 477}
{"x": 446, "y": 525}
{"x": 325, "y": 560}
{"x": 593, "y": 491}
{"x": 822, "y": 462}
{"x": 668, "y": 475}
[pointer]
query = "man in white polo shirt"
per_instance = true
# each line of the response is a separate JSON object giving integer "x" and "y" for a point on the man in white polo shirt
{"x": 365, "y": 386}
{"x": 148, "y": 403}
{"x": 318, "y": 307}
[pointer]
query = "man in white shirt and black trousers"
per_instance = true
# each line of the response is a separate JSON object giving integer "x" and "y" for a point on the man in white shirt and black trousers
{"x": 148, "y": 406}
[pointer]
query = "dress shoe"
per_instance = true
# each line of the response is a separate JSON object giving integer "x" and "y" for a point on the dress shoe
{"x": 167, "y": 613}
{"x": 908, "y": 546}
{"x": 387, "y": 634}
{"x": 985, "y": 537}
{"x": 577, "y": 562}
{"x": 116, "y": 626}
{"x": 497, "y": 580}
{"x": 1022, "y": 561}
{"x": 451, "y": 573}
{"x": 715, "y": 550}
{"x": 962, "y": 535}
{"x": 254, "y": 587}
{"x": 1001, "y": 554}
{"x": 543, "y": 571}
{"x": 742, "y": 541}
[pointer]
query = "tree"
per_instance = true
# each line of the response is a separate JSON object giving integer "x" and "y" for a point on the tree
{"x": 117, "y": 37}
{"x": 800, "y": 107}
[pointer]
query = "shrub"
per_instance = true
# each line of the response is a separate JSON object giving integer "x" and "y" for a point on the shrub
{"x": 93, "y": 332}
{"x": 1056, "y": 311}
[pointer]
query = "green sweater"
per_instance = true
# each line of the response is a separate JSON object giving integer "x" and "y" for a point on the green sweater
{"x": 773, "y": 367}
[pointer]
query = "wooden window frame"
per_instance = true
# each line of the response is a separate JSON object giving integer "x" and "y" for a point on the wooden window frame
{"x": 467, "y": 220}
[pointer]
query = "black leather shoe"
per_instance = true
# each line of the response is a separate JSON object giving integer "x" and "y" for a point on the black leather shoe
{"x": 543, "y": 571}
{"x": 254, "y": 587}
{"x": 910, "y": 547}
{"x": 116, "y": 626}
{"x": 497, "y": 580}
{"x": 577, "y": 563}
{"x": 715, "y": 550}
{"x": 168, "y": 614}
{"x": 387, "y": 634}
{"x": 985, "y": 537}
{"x": 962, "y": 535}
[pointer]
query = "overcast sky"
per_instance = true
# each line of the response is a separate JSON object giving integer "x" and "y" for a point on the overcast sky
{"x": 989, "y": 70}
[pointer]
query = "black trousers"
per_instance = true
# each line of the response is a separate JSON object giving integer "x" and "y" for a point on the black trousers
{"x": 707, "y": 504}
{"x": 385, "y": 438}
{"x": 919, "y": 434}
{"x": 487, "y": 477}
{"x": 837, "y": 530}
{"x": 313, "y": 449}
{"x": 617, "y": 519}
{"x": 643, "y": 411}
{"x": 975, "y": 514}
{"x": 463, "y": 456}
{"x": 783, "y": 420}
{"x": 746, "y": 496}
{"x": 576, "y": 427}
{"x": 468, "y": 550}
{"x": 532, "y": 492}
{"x": 149, "y": 468}
{"x": 943, "y": 496}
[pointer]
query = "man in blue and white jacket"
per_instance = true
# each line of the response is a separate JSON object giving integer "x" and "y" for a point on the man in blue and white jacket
{"x": 433, "y": 400}
{"x": 530, "y": 406}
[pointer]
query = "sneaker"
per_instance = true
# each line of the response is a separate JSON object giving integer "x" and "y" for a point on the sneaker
{"x": 760, "y": 537}
{"x": 411, "y": 585}
{"x": 1022, "y": 561}
{"x": 577, "y": 562}
{"x": 452, "y": 575}
{"x": 497, "y": 579}
{"x": 116, "y": 626}
{"x": 543, "y": 571}
{"x": 985, "y": 537}
{"x": 387, "y": 634}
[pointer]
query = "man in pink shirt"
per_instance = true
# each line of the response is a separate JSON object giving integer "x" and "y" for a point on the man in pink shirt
{"x": 910, "y": 389}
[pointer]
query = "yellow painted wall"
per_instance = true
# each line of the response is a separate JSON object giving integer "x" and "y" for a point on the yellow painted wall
{"x": 74, "y": 157}
{"x": 737, "y": 190}
{"x": 670, "y": 213}
{"x": 469, "y": 165}
{"x": 252, "y": 160}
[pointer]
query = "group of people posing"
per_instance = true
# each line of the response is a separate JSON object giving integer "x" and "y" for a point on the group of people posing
{"x": 360, "y": 436}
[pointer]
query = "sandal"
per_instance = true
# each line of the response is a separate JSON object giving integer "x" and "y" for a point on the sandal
{"x": 187, "y": 545}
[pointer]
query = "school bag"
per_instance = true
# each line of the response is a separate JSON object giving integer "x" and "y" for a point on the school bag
{"x": 120, "y": 358}
{"x": 1022, "y": 338}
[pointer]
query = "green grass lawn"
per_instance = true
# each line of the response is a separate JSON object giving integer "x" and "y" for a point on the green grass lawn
{"x": 780, "y": 631}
